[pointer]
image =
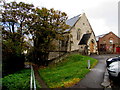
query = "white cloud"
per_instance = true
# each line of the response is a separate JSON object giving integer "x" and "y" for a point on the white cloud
{"x": 100, "y": 26}
{"x": 102, "y": 14}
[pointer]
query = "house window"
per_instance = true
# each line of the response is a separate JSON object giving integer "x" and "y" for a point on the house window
{"x": 78, "y": 34}
{"x": 111, "y": 40}
{"x": 88, "y": 31}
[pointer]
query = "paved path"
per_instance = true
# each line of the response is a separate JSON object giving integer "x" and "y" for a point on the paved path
{"x": 95, "y": 77}
{"x": 37, "y": 76}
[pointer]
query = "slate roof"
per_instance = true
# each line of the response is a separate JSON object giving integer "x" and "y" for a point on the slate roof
{"x": 84, "y": 39}
{"x": 97, "y": 37}
{"x": 100, "y": 36}
{"x": 72, "y": 21}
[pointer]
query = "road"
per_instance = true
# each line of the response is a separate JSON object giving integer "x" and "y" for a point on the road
{"x": 95, "y": 77}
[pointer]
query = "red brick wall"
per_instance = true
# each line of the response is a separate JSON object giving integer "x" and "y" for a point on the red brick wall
{"x": 105, "y": 45}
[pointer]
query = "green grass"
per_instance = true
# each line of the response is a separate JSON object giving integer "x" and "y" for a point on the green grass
{"x": 68, "y": 72}
{"x": 18, "y": 81}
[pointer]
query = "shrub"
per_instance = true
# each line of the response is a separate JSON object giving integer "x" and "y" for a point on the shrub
{"x": 18, "y": 81}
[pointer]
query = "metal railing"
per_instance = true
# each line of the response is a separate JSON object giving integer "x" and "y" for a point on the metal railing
{"x": 32, "y": 80}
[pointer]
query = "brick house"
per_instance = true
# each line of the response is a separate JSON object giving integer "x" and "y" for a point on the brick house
{"x": 108, "y": 43}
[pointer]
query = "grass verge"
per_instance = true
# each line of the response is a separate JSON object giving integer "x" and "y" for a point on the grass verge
{"x": 18, "y": 81}
{"x": 68, "y": 72}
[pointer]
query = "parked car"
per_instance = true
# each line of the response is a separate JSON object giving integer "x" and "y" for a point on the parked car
{"x": 110, "y": 60}
{"x": 113, "y": 66}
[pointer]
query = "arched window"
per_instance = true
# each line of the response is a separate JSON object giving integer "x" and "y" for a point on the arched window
{"x": 78, "y": 34}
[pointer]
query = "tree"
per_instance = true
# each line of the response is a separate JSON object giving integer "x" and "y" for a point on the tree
{"x": 49, "y": 26}
{"x": 42, "y": 26}
{"x": 14, "y": 19}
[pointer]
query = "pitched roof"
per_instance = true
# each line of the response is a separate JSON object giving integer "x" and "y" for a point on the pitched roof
{"x": 72, "y": 21}
{"x": 84, "y": 39}
{"x": 97, "y": 37}
{"x": 100, "y": 36}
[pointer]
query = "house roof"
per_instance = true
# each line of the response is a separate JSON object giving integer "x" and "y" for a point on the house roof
{"x": 97, "y": 37}
{"x": 100, "y": 36}
{"x": 72, "y": 21}
{"x": 84, "y": 39}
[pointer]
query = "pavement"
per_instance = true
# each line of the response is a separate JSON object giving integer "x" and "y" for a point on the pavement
{"x": 106, "y": 81}
{"x": 38, "y": 78}
{"x": 96, "y": 78}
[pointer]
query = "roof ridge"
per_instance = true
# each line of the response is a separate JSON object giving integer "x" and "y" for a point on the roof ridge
{"x": 101, "y": 35}
{"x": 74, "y": 17}
{"x": 72, "y": 21}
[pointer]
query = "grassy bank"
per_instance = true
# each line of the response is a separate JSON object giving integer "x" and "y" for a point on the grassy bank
{"x": 68, "y": 72}
{"x": 18, "y": 81}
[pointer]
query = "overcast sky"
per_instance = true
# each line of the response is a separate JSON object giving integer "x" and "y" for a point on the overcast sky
{"x": 102, "y": 14}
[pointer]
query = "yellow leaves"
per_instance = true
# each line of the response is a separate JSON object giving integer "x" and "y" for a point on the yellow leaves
{"x": 52, "y": 10}
{"x": 64, "y": 14}
{"x": 56, "y": 16}
{"x": 71, "y": 82}
{"x": 65, "y": 83}
{"x": 93, "y": 65}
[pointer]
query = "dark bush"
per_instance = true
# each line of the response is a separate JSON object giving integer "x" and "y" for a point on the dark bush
{"x": 12, "y": 63}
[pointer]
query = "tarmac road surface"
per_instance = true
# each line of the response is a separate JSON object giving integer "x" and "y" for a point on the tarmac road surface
{"x": 96, "y": 76}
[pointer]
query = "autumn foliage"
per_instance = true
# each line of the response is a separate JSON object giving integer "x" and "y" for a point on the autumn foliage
{"x": 30, "y": 29}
